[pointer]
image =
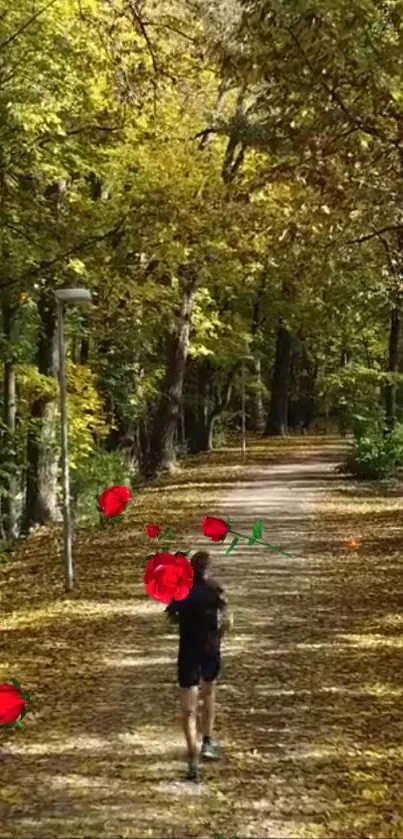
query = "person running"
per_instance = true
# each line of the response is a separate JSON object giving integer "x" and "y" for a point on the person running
{"x": 202, "y": 617}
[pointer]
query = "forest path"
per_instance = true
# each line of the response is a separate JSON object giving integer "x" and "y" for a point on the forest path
{"x": 101, "y": 754}
{"x": 271, "y": 718}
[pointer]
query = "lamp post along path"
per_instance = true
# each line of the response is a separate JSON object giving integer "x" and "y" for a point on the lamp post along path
{"x": 75, "y": 296}
{"x": 67, "y": 534}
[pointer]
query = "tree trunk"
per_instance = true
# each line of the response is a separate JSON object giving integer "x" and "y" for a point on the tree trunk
{"x": 199, "y": 407}
{"x": 277, "y": 419}
{"x": 294, "y": 387}
{"x": 201, "y": 439}
{"x": 205, "y": 403}
{"x": 395, "y": 330}
{"x": 84, "y": 350}
{"x": 42, "y": 446}
{"x": 257, "y": 421}
{"x": 302, "y": 396}
{"x": 309, "y": 402}
{"x": 161, "y": 450}
{"x": 10, "y": 327}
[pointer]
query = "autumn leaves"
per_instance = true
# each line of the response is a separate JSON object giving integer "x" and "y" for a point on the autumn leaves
{"x": 169, "y": 576}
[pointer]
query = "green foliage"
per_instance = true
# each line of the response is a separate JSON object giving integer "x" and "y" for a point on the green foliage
{"x": 35, "y": 386}
{"x": 353, "y": 393}
{"x": 8, "y": 465}
{"x": 86, "y": 420}
{"x": 105, "y": 183}
{"x": 376, "y": 456}
{"x": 85, "y": 409}
{"x": 100, "y": 470}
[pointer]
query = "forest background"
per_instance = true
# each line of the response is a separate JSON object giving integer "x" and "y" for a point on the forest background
{"x": 226, "y": 179}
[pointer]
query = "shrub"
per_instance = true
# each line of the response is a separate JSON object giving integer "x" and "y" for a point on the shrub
{"x": 102, "y": 469}
{"x": 376, "y": 456}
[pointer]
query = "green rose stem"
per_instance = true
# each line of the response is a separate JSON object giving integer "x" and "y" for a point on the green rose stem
{"x": 260, "y": 542}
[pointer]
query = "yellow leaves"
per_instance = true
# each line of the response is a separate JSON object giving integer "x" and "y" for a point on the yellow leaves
{"x": 375, "y": 794}
{"x": 205, "y": 322}
{"x": 311, "y": 734}
{"x": 11, "y": 796}
{"x": 365, "y": 141}
{"x": 35, "y": 385}
{"x": 85, "y": 413}
{"x": 77, "y": 266}
{"x": 397, "y": 93}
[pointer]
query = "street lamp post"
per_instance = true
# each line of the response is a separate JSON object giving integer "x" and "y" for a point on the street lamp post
{"x": 245, "y": 358}
{"x": 75, "y": 296}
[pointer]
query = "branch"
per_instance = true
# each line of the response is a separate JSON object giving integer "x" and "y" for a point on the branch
{"x": 335, "y": 96}
{"x": 205, "y": 133}
{"x": 388, "y": 229}
{"x": 171, "y": 29}
{"x": 20, "y": 232}
{"x": 222, "y": 404}
{"x": 25, "y": 25}
{"x": 44, "y": 266}
{"x": 238, "y": 161}
{"x": 387, "y": 251}
{"x": 139, "y": 21}
{"x": 42, "y": 141}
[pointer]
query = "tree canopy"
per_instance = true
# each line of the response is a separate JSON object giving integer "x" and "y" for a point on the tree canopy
{"x": 226, "y": 180}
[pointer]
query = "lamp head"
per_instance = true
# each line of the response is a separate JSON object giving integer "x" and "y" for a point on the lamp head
{"x": 76, "y": 296}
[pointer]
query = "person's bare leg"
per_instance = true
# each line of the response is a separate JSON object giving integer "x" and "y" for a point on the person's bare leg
{"x": 199, "y": 716}
{"x": 207, "y": 718}
{"x": 209, "y": 749}
{"x": 189, "y": 698}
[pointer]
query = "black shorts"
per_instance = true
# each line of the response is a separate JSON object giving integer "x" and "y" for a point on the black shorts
{"x": 193, "y": 667}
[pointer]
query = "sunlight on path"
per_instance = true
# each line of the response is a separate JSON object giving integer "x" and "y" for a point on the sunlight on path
{"x": 309, "y": 703}
{"x": 266, "y": 589}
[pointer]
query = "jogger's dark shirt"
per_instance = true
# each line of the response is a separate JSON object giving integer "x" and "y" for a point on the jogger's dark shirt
{"x": 199, "y": 618}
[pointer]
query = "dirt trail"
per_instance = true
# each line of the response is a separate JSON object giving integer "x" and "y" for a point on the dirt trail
{"x": 269, "y": 676}
{"x": 102, "y": 755}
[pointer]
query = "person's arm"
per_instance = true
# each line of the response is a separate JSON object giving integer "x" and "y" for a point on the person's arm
{"x": 172, "y": 612}
{"x": 227, "y": 621}
{"x": 226, "y": 615}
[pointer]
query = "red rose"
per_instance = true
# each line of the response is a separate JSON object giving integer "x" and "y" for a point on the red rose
{"x": 214, "y": 529}
{"x": 113, "y": 500}
{"x": 168, "y": 577}
{"x": 153, "y": 530}
{"x": 12, "y": 704}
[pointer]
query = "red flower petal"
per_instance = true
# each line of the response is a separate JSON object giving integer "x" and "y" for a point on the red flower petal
{"x": 153, "y": 530}
{"x": 168, "y": 577}
{"x": 11, "y": 704}
{"x": 113, "y": 500}
{"x": 214, "y": 528}
{"x": 123, "y": 493}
